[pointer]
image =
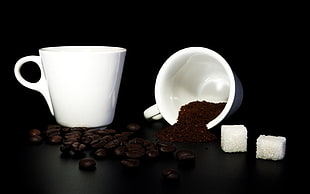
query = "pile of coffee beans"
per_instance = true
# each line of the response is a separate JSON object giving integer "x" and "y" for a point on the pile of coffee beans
{"x": 131, "y": 150}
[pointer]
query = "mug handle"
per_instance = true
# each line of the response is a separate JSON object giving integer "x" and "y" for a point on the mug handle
{"x": 41, "y": 85}
{"x": 152, "y": 113}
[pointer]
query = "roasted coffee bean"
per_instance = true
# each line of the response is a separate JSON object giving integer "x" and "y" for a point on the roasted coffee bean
{"x": 135, "y": 153}
{"x": 133, "y": 127}
{"x": 100, "y": 153}
{"x": 78, "y": 147}
{"x": 56, "y": 127}
{"x": 35, "y": 139}
{"x": 136, "y": 140}
{"x": 52, "y": 131}
{"x": 130, "y": 163}
{"x": 120, "y": 150}
{"x": 133, "y": 146}
{"x": 97, "y": 143}
{"x": 167, "y": 149}
{"x": 112, "y": 144}
{"x": 33, "y": 132}
{"x": 127, "y": 133}
{"x": 170, "y": 174}
{"x": 106, "y": 132}
{"x": 151, "y": 146}
{"x": 147, "y": 142}
{"x": 56, "y": 139}
{"x": 164, "y": 143}
{"x": 122, "y": 138}
{"x": 154, "y": 153}
{"x": 65, "y": 148}
{"x": 87, "y": 164}
{"x": 185, "y": 155}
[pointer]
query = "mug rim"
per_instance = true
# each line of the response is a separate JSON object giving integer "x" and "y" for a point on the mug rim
{"x": 227, "y": 69}
{"x": 74, "y": 49}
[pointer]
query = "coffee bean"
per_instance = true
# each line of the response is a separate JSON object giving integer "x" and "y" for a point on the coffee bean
{"x": 130, "y": 163}
{"x": 112, "y": 144}
{"x": 100, "y": 153}
{"x": 185, "y": 155}
{"x": 136, "y": 140}
{"x": 106, "y": 132}
{"x": 52, "y": 131}
{"x": 56, "y": 139}
{"x": 120, "y": 150}
{"x": 133, "y": 127}
{"x": 87, "y": 164}
{"x": 167, "y": 149}
{"x": 33, "y": 132}
{"x": 170, "y": 174}
{"x": 78, "y": 147}
{"x": 154, "y": 153}
{"x": 135, "y": 153}
{"x": 65, "y": 148}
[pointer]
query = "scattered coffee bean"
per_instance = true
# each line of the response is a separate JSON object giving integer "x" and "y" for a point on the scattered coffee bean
{"x": 170, "y": 174}
{"x": 100, "y": 153}
{"x": 184, "y": 155}
{"x": 120, "y": 150}
{"x": 130, "y": 163}
{"x": 131, "y": 150}
{"x": 166, "y": 147}
{"x": 133, "y": 127}
{"x": 33, "y": 132}
{"x": 154, "y": 153}
{"x": 56, "y": 139}
{"x": 87, "y": 164}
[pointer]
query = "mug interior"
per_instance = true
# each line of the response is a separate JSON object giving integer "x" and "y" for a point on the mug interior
{"x": 193, "y": 74}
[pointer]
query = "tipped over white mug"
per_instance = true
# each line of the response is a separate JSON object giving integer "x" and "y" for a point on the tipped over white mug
{"x": 79, "y": 83}
{"x": 195, "y": 74}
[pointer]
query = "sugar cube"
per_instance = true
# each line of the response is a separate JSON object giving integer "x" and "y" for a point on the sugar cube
{"x": 270, "y": 147}
{"x": 234, "y": 138}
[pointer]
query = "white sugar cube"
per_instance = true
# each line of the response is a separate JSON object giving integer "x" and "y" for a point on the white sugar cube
{"x": 270, "y": 147}
{"x": 234, "y": 138}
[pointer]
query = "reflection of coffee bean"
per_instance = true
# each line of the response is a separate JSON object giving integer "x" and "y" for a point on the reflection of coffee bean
{"x": 130, "y": 162}
{"x": 35, "y": 139}
{"x": 185, "y": 155}
{"x": 170, "y": 174}
{"x": 87, "y": 164}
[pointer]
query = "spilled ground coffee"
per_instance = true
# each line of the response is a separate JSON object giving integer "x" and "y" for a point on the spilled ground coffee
{"x": 191, "y": 123}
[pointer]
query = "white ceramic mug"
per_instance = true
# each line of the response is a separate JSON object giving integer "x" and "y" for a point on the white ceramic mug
{"x": 79, "y": 83}
{"x": 191, "y": 74}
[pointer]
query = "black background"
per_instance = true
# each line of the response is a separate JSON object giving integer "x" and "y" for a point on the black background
{"x": 262, "y": 43}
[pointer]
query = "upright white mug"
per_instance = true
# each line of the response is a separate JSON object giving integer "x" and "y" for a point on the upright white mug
{"x": 194, "y": 74}
{"x": 79, "y": 83}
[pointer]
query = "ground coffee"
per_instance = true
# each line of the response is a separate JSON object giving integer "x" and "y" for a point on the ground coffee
{"x": 191, "y": 123}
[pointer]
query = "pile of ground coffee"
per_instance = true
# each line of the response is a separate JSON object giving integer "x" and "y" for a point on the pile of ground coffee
{"x": 191, "y": 123}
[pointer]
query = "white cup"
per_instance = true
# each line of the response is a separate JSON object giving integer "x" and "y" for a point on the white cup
{"x": 79, "y": 83}
{"x": 192, "y": 74}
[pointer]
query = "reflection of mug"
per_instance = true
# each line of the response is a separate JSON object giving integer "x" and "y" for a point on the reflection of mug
{"x": 192, "y": 74}
{"x": 79, "y": 83}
